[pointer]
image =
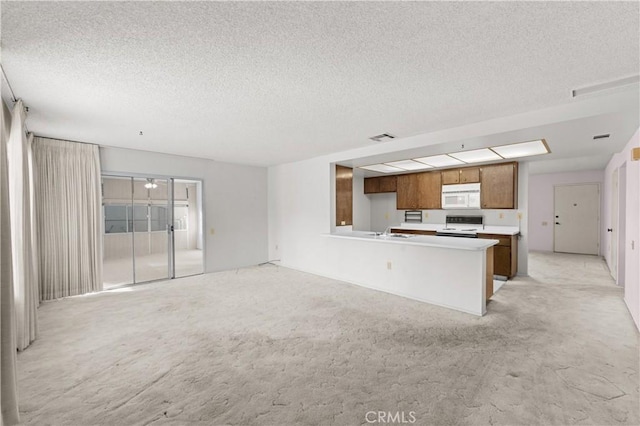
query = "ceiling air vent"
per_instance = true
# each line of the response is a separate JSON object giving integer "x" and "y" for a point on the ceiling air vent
{"x": 601, "y": 136}
{"x": 382, "y": 138}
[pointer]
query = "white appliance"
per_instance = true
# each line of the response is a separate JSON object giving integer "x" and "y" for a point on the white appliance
{"x": 463, "y": 196}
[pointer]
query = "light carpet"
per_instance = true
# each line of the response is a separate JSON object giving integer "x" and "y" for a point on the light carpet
{"x": 272, "y": 346}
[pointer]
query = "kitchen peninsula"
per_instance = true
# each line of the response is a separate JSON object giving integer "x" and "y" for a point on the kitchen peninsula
{"x": 456, "y": 273}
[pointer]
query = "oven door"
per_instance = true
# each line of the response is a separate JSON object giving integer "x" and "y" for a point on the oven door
{"x": 455, "y": 200}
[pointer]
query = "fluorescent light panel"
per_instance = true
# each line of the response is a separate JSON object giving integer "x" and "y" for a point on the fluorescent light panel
{"x": 382, "y": 168}
{"x": 476, "y": 155}
{"x": 439, "y": 161}
{"x": 524, "y": 149}
{"x": 409, "y": 165}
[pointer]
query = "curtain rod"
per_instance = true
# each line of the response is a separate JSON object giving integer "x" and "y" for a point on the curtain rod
{"x": 4, "y": 75}
{"x": 65, "y": 140}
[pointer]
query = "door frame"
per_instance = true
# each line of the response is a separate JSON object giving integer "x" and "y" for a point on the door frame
{"x": 171, "y": 179}
{"x": 599, "y": 212}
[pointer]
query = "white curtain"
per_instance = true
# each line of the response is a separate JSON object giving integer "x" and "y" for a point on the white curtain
{"x": 8, "y": 384}
{"x": 68, "y": 206}
{"x": 25, "y": 272}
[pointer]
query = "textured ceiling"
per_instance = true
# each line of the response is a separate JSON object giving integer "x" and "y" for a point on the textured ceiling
{"x": 267, "y": 83}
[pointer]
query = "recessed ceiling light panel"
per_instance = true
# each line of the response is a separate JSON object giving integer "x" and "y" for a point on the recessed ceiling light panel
{"x": 476, "y": 155}
{"x": 524, "y": 149}
{"x": 382, "y": 168}
{"x": 409, "y": 165}
{"x": 439, "y": 161}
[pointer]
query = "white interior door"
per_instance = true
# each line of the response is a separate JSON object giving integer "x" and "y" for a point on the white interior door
{"x": 577, "y": 216}
{"x": 613, "y": 250}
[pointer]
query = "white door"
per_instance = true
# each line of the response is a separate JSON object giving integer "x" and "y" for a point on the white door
{"x": 613, "y": 250}
{"x": 577, "y": 216}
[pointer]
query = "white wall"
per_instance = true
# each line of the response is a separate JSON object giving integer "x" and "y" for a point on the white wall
{"x": 541, "y": 204}
{"x": 361, "y": 206}
{"x": 632, "y": 223}
{"x": 235, "y": 201}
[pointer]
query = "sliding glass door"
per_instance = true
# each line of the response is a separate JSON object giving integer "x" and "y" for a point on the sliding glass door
{"x": 152, "y": 229}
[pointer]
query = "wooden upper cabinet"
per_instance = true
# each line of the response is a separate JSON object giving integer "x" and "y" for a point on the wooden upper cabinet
{"x": 464, "y": 175}
{"x": 499, "y": 186}
{"x": 344, "y": 196}
{"x": 388, "y": 183}
{"x": 430, "y": 190}
{"x": 407, "y": 197}
{"x": 419, "y": 191}
{"x": 371, "y": 185}
{"x": 470, "y": 175}
{"x": 450, "y": 177}
{"x": 380, "y": 184}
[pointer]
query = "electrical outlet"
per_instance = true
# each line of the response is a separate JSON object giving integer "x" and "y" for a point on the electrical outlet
{"x": 545, "y": 223}
{"x": 343, "y": 223}
{"x": 501, "y": 215}
{"x": 212, "y": 231}
{"x": 276, "y": 247}
{"x": 388, "y": 264}
{"x": 386, "y": 216}
{"x": 519, "y": 215}
{"x": 426, "y": 215}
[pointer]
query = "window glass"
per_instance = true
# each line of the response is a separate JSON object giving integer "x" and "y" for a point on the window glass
{"x": 115, "y": 219}
{"x": 140, "y": 218}
{"x": 180, "y": 217}
{"x": 158, "y": 218}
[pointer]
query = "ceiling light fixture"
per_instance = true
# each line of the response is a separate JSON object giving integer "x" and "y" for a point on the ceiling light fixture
{"x": 522, "y": 149}
{"x": 605, "y": 86}
{"x": 151, "y": 184}
{"x": 382, "y": 137}
{"x": 476, "y": 155}
{"x": 409, "y": 165}
{"x": 382, "y": 168}
{"x": 439, "y": 161}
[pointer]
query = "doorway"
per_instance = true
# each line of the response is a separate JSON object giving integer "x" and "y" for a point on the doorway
{"x": 577, "y": 217}
{"x": 152, "y": 229}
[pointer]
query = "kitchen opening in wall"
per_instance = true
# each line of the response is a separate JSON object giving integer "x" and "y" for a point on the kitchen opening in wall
{"x": 152, "y": 229}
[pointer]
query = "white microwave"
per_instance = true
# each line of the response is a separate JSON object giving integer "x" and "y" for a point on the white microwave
{"x": 464, "y": 196}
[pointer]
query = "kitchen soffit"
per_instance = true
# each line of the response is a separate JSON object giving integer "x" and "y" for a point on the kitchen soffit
{"x": 501, "y": 152}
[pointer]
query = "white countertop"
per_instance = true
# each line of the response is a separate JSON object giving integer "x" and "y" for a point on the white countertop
{"x": 498, "y": 230}
{"x": 421, "y": 240}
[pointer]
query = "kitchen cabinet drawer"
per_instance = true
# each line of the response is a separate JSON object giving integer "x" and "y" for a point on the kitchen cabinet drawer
{"x": 505, "y": 254}
{"x": 505, "y": 240}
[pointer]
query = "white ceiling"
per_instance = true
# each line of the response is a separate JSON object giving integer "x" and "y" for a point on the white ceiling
{"x": 265, "y": 83}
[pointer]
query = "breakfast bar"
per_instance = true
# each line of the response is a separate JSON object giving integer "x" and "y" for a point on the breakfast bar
{"x": 455, "y": 273}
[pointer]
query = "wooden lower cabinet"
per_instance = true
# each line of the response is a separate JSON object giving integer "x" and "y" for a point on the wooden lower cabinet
{"x": 505, "y": 254}
{"x": 489, "y": 274}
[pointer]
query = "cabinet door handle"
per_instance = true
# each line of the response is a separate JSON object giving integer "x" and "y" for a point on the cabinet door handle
{"x": 557, "y": 223}
{"x": 609, "y": 229}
